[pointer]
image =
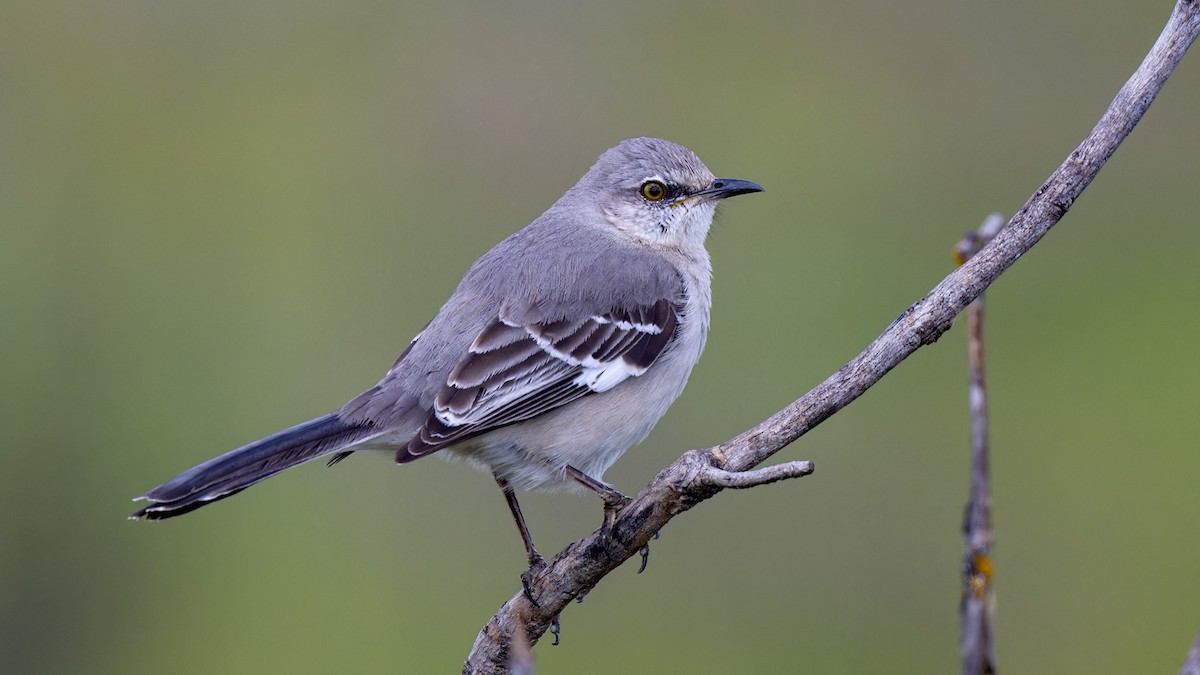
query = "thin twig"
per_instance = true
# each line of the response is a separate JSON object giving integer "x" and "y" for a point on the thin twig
{"x": 976, "y": 647}
{"x": 738, "y": 480}
{"x": 520, "y": 656}
{"x": 1191, "y": 665}
{"x": 577, "y": 569}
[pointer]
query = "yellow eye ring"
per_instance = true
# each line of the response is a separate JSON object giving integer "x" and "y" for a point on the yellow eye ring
{"x": 653, "y": 190}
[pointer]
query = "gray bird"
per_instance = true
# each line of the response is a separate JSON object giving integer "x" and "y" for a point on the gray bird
{"x": 559, "y": 350}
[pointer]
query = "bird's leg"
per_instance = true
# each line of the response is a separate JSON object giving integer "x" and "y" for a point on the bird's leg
{"x": 536, "y": 561}
{"x": 613, "y": 502}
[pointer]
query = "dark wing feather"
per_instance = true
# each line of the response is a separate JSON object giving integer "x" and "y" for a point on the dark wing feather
{"x": 516, "y": 372}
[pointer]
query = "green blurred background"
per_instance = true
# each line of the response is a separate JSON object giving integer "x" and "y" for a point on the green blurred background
{"x": 218, "y": 219}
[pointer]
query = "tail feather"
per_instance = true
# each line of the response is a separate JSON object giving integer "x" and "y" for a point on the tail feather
{"x": 237, "y": 470}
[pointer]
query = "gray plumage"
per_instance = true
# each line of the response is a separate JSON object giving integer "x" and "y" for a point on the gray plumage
{"x": 562, "y": 346}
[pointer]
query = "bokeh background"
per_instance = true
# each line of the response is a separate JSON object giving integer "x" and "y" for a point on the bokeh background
{"x": 221, "y": 218}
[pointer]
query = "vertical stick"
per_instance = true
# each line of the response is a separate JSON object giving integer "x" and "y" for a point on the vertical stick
{"x": 976, "y": 646}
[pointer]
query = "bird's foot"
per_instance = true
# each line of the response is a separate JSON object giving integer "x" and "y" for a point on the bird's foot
{"x": 537, "y": 564}
{"x": 613, "y": 503}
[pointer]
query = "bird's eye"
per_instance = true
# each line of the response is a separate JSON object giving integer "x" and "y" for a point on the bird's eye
{"x": 654, "y": 190}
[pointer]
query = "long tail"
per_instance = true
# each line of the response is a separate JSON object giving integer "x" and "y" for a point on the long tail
{"x": 237, "y": 470}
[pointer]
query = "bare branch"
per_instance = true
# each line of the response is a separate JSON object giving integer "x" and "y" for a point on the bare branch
{"x": 577, "y": 569}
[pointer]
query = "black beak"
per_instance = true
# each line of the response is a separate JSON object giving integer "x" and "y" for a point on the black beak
{"x": 727, "y": 187}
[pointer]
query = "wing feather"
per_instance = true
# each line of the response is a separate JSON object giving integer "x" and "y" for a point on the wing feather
{"x": 516, "y": 372}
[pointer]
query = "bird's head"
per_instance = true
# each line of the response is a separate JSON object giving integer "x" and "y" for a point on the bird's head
{"x": 657, "y": 192}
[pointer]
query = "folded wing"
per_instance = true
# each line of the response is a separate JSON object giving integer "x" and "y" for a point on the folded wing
{"x": 514, "y": 371}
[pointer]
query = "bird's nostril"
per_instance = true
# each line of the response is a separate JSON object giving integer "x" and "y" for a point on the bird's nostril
{"x": 719, "y": 184}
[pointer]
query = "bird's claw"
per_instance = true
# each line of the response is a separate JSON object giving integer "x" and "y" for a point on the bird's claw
{"x": 536, "y": 566}
{"x": 608, "y": 529}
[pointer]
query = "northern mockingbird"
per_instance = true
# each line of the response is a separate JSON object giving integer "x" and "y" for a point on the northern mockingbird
{"x": 560, "y": 349}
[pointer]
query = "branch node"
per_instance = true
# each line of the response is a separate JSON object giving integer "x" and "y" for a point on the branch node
{"x": 973, "y": 241}
{"x": 720, "y": 478}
